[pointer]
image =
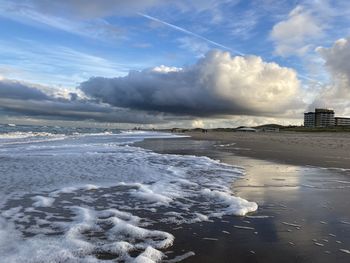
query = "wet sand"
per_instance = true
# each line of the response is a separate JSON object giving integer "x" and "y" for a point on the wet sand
{"x": 303, "y": 213}
{"x": 316, "y": 149}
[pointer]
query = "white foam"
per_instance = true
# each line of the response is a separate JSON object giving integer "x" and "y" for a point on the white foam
{"x": 42, "y": 201}
{"x": 12, "y": 211}
{"x": 21, "y": 135}
{"x": 202, "y": 217}
{"x": 90, "y": 187}
{"x": 75, "y": 246}
{"x": 146, "y": 193}
{"x": 81, "y": 176}
{"x": 234, "y": 205}
{"x": 119, "y": 247}
{"x": 149, "y": 255}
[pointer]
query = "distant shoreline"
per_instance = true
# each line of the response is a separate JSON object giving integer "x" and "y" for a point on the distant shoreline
{"x": 301, "y": 129}
{"x": 329, "y": 150}
{"x": 314, "y": 149}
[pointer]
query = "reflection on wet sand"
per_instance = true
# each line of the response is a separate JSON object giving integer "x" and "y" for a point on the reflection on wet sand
{"x": 306, "y": 206}
{"x": 303, "y": 213}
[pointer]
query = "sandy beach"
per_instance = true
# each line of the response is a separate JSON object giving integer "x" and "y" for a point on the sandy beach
{"x": 158, "y": 197}
{"x": 303, "y": 213}
{"x": 316, "y": 149}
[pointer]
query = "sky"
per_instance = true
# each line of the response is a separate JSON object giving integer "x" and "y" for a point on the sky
{"x": 162, "y": 63}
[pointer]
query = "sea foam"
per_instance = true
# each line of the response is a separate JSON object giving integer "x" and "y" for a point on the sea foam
{"x": 85, "y": 198}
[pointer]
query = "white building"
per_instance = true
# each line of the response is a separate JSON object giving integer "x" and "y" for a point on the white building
{"x": 342, "y": 121}
{"x": 319, "y": 118}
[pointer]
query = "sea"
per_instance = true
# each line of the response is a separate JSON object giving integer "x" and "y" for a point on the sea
{"x": 90, "y": 195}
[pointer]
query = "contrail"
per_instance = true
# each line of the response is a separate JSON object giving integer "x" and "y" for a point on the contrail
{"x": 310, "y": 79}
{"x": 191, "y": 33}
{"x": 211, "y": 42}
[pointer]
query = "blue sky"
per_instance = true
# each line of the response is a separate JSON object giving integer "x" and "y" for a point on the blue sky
{"x": 59, "y": 45}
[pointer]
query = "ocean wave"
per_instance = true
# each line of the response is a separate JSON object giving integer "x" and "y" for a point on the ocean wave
{"x": 22, "y": 135}
{"x": 87, "y": 196}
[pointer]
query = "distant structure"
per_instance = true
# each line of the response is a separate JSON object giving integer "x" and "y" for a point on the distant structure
{"x": 342, "y": 121}
{"x": 309, "y": 119}
{"x": 246, "y": 129}
{"x": 322, "y": 118}
{"x": 269, "y": 129}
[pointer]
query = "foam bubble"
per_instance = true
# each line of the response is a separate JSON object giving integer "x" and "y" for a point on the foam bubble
{"x": 150, "y": 255}
{"x": 121, "y": 234}
{"x": 83, "y": 197}
{"x": 234, "y": 205}
{"x": 42, "y": 201}
{"x": 146, "y": 193}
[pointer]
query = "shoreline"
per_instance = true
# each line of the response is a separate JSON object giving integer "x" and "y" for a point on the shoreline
{"x": 328, "y": 150}
{"x": 302, "y": 212}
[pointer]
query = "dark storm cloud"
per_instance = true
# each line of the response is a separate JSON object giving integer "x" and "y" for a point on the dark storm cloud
{"x": 156, "y": 92}
{"x": 217, "y": 85}
{"x": 16, "y": 90}
{"x": 21, "y": 99}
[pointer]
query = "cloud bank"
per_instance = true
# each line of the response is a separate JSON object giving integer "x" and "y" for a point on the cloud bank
{"x": 337, "y": 93}
{"x": 217, "y": 84}
{"x": 22, "y": 99}
{"x": 16, "y": 90}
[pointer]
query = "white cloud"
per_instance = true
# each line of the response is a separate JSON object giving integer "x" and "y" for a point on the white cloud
{"x": 293, "y": 36}
{"x": 218, "y": 84}
{"x": 337, "y": 58}
{"x": 30, "y": 13}
{"x": 165, "y": 69}
{"x": 197, "y": 123}
{"x": 55, "y": 65}
{"x": 337, "y": 93}
{"x": 232, "y": 122}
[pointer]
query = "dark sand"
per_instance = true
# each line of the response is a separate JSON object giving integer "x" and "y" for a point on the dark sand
{"x": 317, "y": 149}
{"x": 307, "y": 208}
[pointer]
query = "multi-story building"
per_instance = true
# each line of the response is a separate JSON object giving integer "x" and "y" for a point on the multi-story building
{"x": 309, "y": 119}
{"x": 342, "y": 121}
{"x": 324, "y": 118}
{"x": 319, "y": 118}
